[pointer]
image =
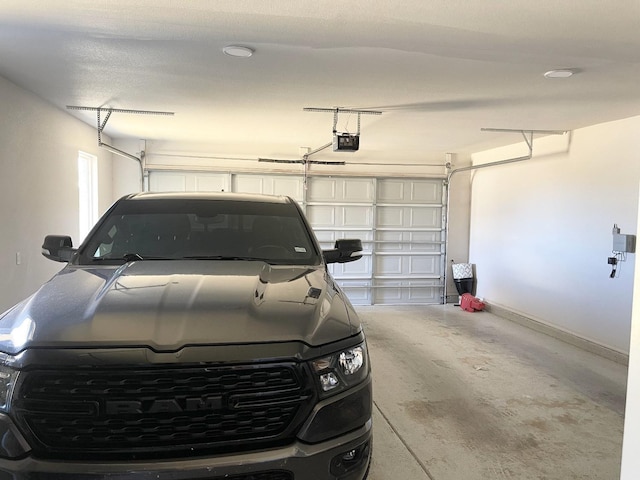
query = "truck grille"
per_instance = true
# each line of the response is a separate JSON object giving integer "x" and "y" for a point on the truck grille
{"x": 278, "y": 475}
{"x": 141, "y": 413}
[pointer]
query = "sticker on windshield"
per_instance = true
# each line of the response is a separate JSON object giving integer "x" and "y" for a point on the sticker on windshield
{"x": 300, "y": 249}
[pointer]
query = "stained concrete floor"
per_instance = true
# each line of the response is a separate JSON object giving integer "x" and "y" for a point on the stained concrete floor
{"x": 469, "y": 396}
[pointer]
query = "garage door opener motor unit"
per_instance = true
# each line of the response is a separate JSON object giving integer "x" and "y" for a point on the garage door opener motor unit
{"x": 343, "y": 142}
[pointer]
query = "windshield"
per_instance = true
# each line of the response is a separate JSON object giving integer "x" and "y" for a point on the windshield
{"x": 200, "y": 229}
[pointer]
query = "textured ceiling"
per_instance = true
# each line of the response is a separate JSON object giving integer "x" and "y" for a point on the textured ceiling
{"x": 438, "y": 70}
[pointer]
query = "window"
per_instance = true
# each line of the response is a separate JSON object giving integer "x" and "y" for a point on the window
{"x": 88, "y": 192}
{"x": 173, "y": 229}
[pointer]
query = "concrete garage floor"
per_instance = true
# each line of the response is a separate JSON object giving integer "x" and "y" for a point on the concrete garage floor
{"x": 466, "y": 396}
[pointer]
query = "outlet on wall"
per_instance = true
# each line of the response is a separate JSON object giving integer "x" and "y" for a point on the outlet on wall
{"x": 18, "y": 258}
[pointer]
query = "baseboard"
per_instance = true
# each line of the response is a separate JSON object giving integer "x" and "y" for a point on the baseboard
{"x": 566, "y": 337}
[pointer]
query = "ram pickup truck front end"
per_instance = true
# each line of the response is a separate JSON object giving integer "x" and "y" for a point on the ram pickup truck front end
{"x": 191, "y": 336}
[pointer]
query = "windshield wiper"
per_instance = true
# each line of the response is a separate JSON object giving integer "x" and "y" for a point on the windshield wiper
{"x": 129, "y": 257}
{"x": 224, "y": 257}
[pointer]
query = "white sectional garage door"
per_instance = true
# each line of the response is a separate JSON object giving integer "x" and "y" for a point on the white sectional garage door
{"x": 399, "y": 220}
{"x": 342, "y": 207}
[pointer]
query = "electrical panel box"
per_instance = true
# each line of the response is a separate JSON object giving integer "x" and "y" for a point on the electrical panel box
{"x": 624, "y": 243}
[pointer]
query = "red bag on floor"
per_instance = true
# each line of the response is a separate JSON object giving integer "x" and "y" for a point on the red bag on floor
{"x": 470, "y": 303}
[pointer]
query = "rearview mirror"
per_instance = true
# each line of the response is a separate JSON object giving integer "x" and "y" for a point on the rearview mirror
{"x": 345, "y": 250}
{"x": 58, "y": 248}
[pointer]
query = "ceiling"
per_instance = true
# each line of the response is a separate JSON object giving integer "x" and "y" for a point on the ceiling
{"x": 440, "y": 71}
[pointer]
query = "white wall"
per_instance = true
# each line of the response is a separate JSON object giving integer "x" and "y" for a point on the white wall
{"x": 39, "y": 147}
{"x": 541, "y": 230}
{"x": 630, "y": 467}
{"x": 126, "y": 171}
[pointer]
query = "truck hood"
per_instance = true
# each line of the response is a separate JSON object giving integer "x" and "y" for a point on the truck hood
{"x": 167, "y": 305}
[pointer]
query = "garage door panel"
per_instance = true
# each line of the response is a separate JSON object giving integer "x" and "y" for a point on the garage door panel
{"x": 424, "y": 294}
{"x": 406, "y": 292}
{"x": 188, "y": 181}
{"x": 168, "y": 182}
{"x": 406, "y": 221}
{"x": 424, "y": 265}
{"x": 429, "y": 242}
{"x": 321, "y": 216}
{"x": 389, "y": 292}
{"x": 390, "y": 217}
{"x": 410, "y": 191}
{"x": 340, "y": 190}
{"x": 407, "y": 241}
{"x": 389, "y": 265}
{"x": 211, "y": 183}
{"x": 425, "y": 217}
{"x": 321, "y": 190}
{"x": 389, "y": 241}
{"x": 358, "y": 291}
{"x": 359, "y": 269}
{"x": 357, "y": 190}
{"x": 340, "y": 216}
{"x": 291, "y": 187}
{"x": 391, "y": 191}
{"x": 357, "y": 217}
{"x": 409, "y": 217}
{"x": 269, "y": 185}
{"x": 248, "y": 184}
{"x": 407, "y": 265}
{"x": 426, "y": 191}
{"x": 327, "y": 238}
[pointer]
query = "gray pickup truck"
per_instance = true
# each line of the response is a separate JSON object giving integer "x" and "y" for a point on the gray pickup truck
{"x": 190, "y": 337}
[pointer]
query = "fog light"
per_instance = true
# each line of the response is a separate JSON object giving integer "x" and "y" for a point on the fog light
{"x": 352, "y": 460}
{"x": 329, "y": 381}
{"x": 349, "y": 456}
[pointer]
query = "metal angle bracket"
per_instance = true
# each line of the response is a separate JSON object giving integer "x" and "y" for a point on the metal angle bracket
{"x": 102, "y": 124}
{"x": 111, "y": 148}
{"x": 529, "y": 139}
{"x": 337, "y": 110}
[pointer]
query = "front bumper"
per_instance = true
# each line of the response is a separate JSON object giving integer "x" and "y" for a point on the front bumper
{"x": 304, "y": 462}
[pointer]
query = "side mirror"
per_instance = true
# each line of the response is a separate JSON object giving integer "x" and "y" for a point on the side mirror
{"x": 345, "y": 250}
{"x": 58, "y": 248}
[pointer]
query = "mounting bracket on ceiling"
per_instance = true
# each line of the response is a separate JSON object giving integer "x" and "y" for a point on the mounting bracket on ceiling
{"x": 344, "y": 141}
{"x": 102, "y": 124}
{"x": 529, "y": 140}
{"x": 337, "y": 110}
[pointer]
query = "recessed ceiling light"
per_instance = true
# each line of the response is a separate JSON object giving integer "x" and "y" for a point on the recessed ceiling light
{"x": 563, "y": 73}
{"x": 238, "y": 51}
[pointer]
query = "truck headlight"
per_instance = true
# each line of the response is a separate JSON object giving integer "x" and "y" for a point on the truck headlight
{"x": 12, "y": 443}
{"x": 341, "y": 370}
{"x": 8, "y": 378}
